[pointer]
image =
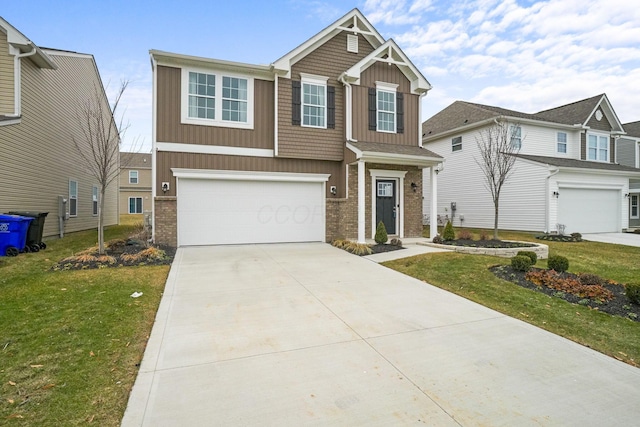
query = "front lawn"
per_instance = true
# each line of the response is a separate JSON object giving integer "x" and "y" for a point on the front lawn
{"x": 469, "y": 276}
{"x": 71, "y": 341}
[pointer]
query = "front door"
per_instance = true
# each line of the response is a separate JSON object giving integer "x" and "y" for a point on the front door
{"x": 386, "y": 205}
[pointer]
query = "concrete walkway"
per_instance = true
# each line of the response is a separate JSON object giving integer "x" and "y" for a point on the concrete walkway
{"x": 628, "y": 239}
{"x": 307, "y": 334}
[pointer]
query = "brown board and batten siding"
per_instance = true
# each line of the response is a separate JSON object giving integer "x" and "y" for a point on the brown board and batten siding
{"x": 381, "y": 72}
{"x": 167, "y": 160}
{"x": 38, "y": 156}
{"x": 329, "y": 60}
{"x": 7, "y": 105}
{"x": 170, "y": 128}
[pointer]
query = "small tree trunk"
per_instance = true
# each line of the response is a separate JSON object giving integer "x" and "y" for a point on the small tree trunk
{"x": 101, "y": 222}
{"x": 495, "y": 220}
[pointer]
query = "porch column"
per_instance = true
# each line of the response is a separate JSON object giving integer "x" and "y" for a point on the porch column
{"x": 433, "y": 204}
{"x": 361, "y": 207}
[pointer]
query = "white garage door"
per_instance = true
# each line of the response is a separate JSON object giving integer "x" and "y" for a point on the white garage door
{"x": 585, "y": 210}
{"x": 212, "y": 211}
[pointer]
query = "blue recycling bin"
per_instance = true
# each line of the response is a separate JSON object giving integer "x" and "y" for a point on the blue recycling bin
{"x": 13, "y": 234}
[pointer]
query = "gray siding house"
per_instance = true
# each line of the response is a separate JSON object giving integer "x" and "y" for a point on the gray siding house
{"x": 628, "y": 154}
{"x": 40, "y": 93}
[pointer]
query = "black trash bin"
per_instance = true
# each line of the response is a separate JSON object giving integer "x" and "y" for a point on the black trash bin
{"x": 34, "y": 234}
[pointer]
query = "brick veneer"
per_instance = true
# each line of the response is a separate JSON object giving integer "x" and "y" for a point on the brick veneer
{"x": 165, "y": 223}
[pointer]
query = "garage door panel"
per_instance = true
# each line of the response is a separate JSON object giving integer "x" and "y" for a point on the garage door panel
{"x": 586, "y": 210}
{"x": 235, "y": 212}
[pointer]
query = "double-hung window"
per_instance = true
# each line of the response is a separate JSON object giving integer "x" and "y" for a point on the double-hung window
{"x": 516, "y": 136}
{"x": 314, "y": 101}
{"x": 597, "y": 147}
{"x": 633, "y": 206}
{"x": 456, "y": 143}
{"x": 94, "y": 200}
{"x": 133, "y": 177}
{"x": 386, "y": 103}
{"x": 215, "y": 98}
{"x": 73, "y": 198}
{"x": 561, "y": 139}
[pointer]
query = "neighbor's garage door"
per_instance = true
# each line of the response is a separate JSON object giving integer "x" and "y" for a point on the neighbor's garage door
{"x": 585, "y": 210}
{"x": 214, "y": 211}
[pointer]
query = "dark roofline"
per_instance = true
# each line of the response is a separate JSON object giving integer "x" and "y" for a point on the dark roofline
{"x": 578, "y": 164}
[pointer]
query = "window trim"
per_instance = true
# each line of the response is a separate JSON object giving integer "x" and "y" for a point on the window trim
{"x": 455, "y": 144}
{"x": 217, "y": 121}
{"x": 137, "y": 178}
{"x": 392, "y": 89}
{"x": 565, "y": 143}
{"x": 73, "y": 197}
{"x": 598, "y": 149}
{"x": 312, "y": 79}
{"x": 637, "y": 206}
{"x": 94, "y": 200}
{"x": 136, "y": 205}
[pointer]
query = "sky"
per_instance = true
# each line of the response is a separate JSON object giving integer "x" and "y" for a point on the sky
{"x": 522, "y": 55}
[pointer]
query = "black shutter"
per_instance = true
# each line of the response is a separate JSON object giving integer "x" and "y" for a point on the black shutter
{"x": 399, "y": 112}
{"x": 373, "y": 110}
{"x": 331, "y": 107}
{"x": 295, "y": 102}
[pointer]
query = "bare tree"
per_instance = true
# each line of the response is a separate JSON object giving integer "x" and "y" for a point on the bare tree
{"x": 497, "y": 145}
{"x": 100, "y": 147}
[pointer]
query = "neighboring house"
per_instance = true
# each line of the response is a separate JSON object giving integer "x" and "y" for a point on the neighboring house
{"x": 321, "y": 144}
{"x": 566, "y": 171}
{"x": 628, "y": 154}
{"x": 41, "y": 91}
{"x": 135, "y": 183}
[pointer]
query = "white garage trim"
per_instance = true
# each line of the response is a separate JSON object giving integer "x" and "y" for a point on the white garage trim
{"x": 240, "y": 207}
{"x": 588, "y": 185}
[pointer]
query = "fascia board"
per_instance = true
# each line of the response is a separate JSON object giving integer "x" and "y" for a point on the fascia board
{"x": 249, "y": 175}
{"x": 265, "y": 72}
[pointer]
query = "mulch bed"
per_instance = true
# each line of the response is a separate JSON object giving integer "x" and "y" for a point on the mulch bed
{"x": 486, "y": 244}
{"x": 559, "y": 238}
{"x": 378, "y": 249}
{"x": 124, "y": 253}
{"x": 618, "y": 306}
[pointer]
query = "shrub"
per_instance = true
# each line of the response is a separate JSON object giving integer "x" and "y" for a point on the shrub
{"x": 381, "y": 234}
{"x": 521, "y": 263}
{"x": 438, "y": 239}
{"x": 532, "y": 255}
{"x": 558, "y": 263}
{"x": 576, "y": 236}
{"x": 396, "y": 242}
{"x": 448, "y": 234}
{"x": 340, "y": 243}
{"x": 465, "y": 235}
{"x": 633, "y": 292}
{"x": 589, "y": 279}
{"x": 358, "y": 248}
{"x": 484, "y": 235}
{"x": 556, "y": 281}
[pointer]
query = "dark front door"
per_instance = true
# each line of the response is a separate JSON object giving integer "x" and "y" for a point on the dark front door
{"x": 386, "y": 204}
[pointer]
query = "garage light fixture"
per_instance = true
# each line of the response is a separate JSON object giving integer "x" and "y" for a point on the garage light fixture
{"x": 165, "y": 187}
{"x": 556, "y": 194}
{"x": 414, "y": 186}
{"x": 626, "y": 196}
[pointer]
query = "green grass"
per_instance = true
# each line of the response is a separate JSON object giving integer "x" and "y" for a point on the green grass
{"x": 70, "y": 341}
{"x": 468, "y": 276}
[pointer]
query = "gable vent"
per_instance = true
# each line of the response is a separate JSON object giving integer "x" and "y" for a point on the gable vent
{"x": 352, "y": 43}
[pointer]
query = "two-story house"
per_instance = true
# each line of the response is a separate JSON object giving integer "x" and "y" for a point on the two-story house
{"x": 42, "y": 92}
{"x": 135, "y": 183}
{"x": 323, "y": 143}
{"x": 628, "y": 154}
{"x": 565, "y": 172}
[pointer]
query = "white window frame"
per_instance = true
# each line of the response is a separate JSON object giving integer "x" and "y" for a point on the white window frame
{"x": 218, "y": 99}
{"x": 132, "y": 177}
{"x": 561, "y": 143}
{"x": 141, "y": 205}
{"x": 634, "y": 205}
{"x": 94, "y": 200}
{"x": 73, "y": 196}
{"x": 456, "y": 144}
{"x": 515, "y": 134}
{"x": 313, "y": 80}
{"x": 392, "y": 89}
{"x": 600, "y": 137}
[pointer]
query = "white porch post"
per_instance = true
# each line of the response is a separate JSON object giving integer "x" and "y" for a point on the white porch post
{"x": 433, "y": 204}
{"x": 361, "y": 207}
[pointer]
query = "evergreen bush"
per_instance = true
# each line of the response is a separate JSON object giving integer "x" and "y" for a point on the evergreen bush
{"x": 558, "y": 263}
{"x": 381, "y": 234}
{"x": 448, "y": 234}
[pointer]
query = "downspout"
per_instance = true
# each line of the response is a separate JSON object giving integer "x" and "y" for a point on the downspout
{"x": 154, "y": 164}
{"x": 348, "y": 109}
{"x": 547, "y": 204}
{"x": 17, "y": 105}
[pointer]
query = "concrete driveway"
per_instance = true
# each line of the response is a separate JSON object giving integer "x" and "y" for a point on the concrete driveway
{"x": 306, "y": 334}
{"x": 629, "y": 239}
